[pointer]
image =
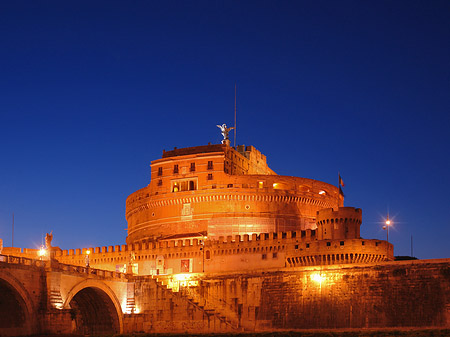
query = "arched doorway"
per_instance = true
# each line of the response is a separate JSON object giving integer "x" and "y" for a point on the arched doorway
{"x": 13, "y": 311}
{"x": 94, "y": 312}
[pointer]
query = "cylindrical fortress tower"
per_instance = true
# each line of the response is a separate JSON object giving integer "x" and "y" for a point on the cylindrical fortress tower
{"x": 215, "y": 190}
{"x": 343, "y": 223}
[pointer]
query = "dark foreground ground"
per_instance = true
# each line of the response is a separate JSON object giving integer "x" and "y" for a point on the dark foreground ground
{"x": 315, "y": 333}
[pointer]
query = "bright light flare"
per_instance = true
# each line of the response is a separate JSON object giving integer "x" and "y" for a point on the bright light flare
{"x": 182, "y": 277}
{"x": 42, "y": 252}
{"x": 317, "y": 278}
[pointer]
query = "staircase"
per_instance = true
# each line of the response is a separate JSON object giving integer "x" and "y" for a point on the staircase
{"x": 208, "y": 307}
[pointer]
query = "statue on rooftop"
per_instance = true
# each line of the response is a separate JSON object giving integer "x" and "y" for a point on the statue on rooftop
{"x": 48, "y": 240}
{"x": 225, "y": 132}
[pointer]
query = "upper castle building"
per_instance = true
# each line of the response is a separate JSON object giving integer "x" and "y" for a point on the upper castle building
{"x": 217, "y": 190}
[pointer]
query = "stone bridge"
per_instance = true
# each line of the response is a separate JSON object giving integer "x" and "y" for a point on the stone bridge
{"x": 46, "y": 296}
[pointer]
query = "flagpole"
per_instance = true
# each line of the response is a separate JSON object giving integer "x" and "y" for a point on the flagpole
{"x": 339, "y": 186}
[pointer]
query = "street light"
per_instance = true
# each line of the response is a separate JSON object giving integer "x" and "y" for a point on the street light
{"x": 87, "y": 258}
{"x": 388, "y": 223}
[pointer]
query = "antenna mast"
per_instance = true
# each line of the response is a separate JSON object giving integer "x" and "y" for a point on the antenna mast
{"x": 235, "y": 115}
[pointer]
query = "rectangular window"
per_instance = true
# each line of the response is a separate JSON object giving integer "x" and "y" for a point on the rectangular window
{"x": 159, "y": 182}
{"x": 210, "y": 176}
{"x": 274, "y": 255}
{"x": 192, "y": 167}
{"x": 159, "y": 171}
{"x": 210, "y": 165}
{"x": 328, "y": 244}
{"x": 296, "y": 246}
{"x": 342, "y": 243}
{"x": 264, "y": 256}
{"x": 175, "y": 168}
{"x": 307, "y": 245}
{"x": 230, "y": 185}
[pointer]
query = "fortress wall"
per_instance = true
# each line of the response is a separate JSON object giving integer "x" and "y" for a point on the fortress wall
{"x": 394, "y": 294}
{"x": 231, "y": 253}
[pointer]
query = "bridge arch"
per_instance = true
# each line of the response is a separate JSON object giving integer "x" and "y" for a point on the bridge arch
{"x": 96, "y": 308}
{"x": 16, "y": 307}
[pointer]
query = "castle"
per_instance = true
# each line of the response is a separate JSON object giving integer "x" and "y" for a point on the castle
{"x": 219, "y": 242}
{"x": 218, "y": 208}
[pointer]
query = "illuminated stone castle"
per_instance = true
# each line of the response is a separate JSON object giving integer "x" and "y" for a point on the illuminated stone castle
{"x": 218, "y": 242}
{"x": 216, "y": 208}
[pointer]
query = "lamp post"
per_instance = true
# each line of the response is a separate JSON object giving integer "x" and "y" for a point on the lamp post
{"x": 386, "y": 227}
{"x": 88, "y": 252}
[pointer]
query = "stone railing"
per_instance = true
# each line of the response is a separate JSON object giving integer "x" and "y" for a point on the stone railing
{"x": 22, "y": 260}
{"x": 55, "y": 265}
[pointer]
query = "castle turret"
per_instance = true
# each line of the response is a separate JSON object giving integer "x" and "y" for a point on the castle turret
{"x": 343, "y": 223}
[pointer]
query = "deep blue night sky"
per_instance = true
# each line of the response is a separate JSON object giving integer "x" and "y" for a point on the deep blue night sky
{"x": 92, "y": 91}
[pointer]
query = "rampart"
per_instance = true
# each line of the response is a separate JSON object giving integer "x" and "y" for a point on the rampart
{"x": 377, "y": 295}
{"x": 233, "y": 253}
{"x": 370, "y": 295}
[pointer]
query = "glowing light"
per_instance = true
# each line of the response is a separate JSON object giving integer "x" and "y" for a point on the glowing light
{"x": 182, "y": 277}
{"x": 388, "y": 222}
{"x": 88, "y": 252}
{"x": 322, "y": 192}
{"x": 42, "y": 252}
{"x": 317, "y": 278}
{"x": 275, "y": 185}
{"x": 260, "y": 184}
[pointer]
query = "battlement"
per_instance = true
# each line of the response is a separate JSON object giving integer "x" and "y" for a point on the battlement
{"x": 341, "y": 223}
{"x": 231, "y": 253}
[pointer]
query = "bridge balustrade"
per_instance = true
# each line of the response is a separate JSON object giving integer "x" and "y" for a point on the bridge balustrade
{"x": 63, "y": 267}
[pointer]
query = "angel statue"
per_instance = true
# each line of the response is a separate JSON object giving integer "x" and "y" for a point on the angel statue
{"x": 48, "y": 240}
{"x": 225, "y": 132}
